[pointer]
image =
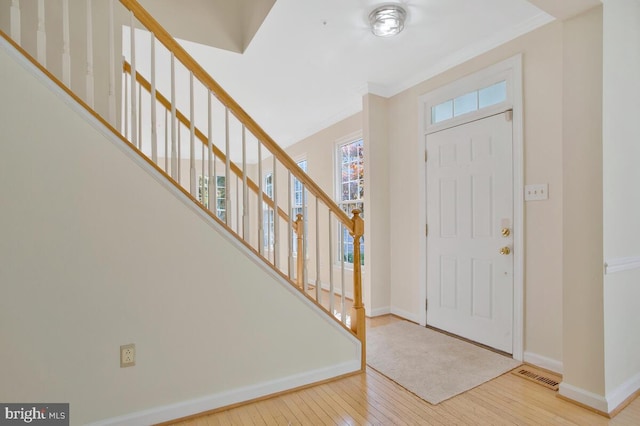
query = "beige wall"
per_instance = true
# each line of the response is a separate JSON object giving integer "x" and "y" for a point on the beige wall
{"x": 621, "y": 199}
{"x": 583, "y": 331}
{"x": 377, "y": 226}
{"x": 396, "y": 188}
{"x": 95, "y": 253}
{"x": 542, "y": 82}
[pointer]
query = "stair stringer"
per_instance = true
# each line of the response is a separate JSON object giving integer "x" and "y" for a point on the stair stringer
{"x": 78, "y": 281}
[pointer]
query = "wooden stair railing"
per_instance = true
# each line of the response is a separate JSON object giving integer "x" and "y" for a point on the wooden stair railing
{"x": 144, "y": 83}
{"x": 309, "y": 254}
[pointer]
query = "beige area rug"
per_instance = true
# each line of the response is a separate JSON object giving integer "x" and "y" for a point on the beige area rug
{"x": 429, "y": 364}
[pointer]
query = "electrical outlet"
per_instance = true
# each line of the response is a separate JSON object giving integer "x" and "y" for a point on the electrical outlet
{"x": 128, "y": 355}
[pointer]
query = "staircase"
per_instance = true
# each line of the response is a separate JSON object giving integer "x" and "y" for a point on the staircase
{"x": 144, "y": 88}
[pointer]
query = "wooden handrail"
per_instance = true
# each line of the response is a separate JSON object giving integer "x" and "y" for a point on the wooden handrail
{"x": 126, "y": 67}
{"x": 170, "y": 43}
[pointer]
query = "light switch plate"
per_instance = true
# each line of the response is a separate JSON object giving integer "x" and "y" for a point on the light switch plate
{"x": 536, "y": 192}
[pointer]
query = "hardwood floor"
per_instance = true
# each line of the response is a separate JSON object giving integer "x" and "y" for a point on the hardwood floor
{"x": 371, "y": 399}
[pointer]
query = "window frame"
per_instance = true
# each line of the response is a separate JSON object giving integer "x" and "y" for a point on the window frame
{"x": 476, "y": 82}
{"x": 338, "y": 189}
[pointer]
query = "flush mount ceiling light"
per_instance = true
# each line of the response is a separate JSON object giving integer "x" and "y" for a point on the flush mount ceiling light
{"x": 387, "y": 20}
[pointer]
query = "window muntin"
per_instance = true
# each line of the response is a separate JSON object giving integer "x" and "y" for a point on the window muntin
{"x": 350, "y": 158}
{"x": 469, "y": 102}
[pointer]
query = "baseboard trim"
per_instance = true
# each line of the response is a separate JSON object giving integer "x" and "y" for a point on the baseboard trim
{"x": 406, "y": 315}
{"x": 379, "y": 311}
{"x": 621, "y": 396}
{"x": 224, "y": 399}
{"x": 607, "y": 406}
{"x": 550, "y": 364}
{"x": 584, "y": 398}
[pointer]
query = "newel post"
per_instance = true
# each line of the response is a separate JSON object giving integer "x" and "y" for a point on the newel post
{"x": 357, "y": 311}
{"x": 298, "y": 227}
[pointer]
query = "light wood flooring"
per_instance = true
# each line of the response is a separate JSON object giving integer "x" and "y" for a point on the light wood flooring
{"x": 371, "y": 399}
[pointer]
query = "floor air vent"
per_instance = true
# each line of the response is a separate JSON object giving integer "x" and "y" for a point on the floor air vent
{"x": 545, "y": 379}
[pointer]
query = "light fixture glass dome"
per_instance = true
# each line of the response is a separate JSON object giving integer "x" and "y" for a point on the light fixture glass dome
{"x": 387, "y": 20}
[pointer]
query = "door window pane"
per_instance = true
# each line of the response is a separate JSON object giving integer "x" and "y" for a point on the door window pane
{"x": 493, "y": 94}
{"x": 441, "y": 112}
{"x": 465, "y": 103}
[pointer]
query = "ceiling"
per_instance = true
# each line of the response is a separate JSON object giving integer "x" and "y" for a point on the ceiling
{"x": 311, "y": 61}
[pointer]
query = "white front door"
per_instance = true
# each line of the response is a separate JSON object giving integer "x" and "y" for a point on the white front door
{"x": 469, "y": 174}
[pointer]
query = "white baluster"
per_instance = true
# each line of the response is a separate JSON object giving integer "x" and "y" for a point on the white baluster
{"x": 260, "y": 202}
{"x": 212, "y": 179}
{"x": 192, "y": 139}
{"x": 305, "y": 210}
{"x": 154, "y": 102}
{"x": 238, "y": 222}
{"x": 15, "y": 20}
{"x": 227, "y": 178}
{"x": 66, "y": 50}
{"x": 245, "y": 191}
{"x": 174, "y": 130}
{"x": 276, "y": 226}
{"x": 126, "y": 106}
{"x": 202, "y": 179}
{"x": 215, "y": 175}
{"x": 41, "y": 46}
{"x": 290, "y": 225}
{"x": 112, "y": 67}
{"x": 90, "y": 85}
{"x": 179, "y": 152}
{"x": 318, "y": 282}
{"x": 330, "y": 263}
{"x": 166, "y": 140}
{"x": 140, "y": 117}
{"x": 134, "y": 107}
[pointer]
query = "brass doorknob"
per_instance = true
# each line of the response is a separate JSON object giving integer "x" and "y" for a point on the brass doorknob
{"x": 505, "y": 251}
{"x": 505, "y": 232}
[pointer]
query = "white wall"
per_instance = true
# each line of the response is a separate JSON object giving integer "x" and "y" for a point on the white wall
{"x": 621, "y": 199}
{"x": 95, "y": 253}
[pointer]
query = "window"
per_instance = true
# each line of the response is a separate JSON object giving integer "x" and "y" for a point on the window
{"x": 203, "y": 195}
{"x": 267, "y": 217}
{"x": 350, "y": 191}
{"x": 299, "y": 203}
{"x": 469, "y": 102}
